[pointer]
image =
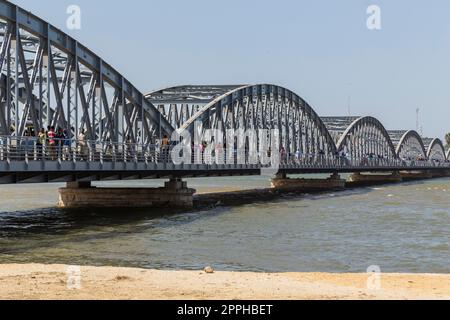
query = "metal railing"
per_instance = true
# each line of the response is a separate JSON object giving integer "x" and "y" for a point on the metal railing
{"x": 318, "y": 161}
{"x": 30, "y": 149}
{"x": 70, "y": 150}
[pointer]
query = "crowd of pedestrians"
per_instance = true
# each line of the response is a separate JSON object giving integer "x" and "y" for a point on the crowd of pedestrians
{"x": 59, "y": 144}
{"x": 51, "y": 143}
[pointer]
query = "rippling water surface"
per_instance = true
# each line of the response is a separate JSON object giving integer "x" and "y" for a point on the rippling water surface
{"x": 401, "y": 228}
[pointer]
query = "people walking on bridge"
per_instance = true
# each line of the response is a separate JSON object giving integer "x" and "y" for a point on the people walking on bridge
{"x": 283, "y": 155}
{"x": 66, "y": 144}
{"x": 219, "y": 153}
{"x": 365, "y": 160}
{"x": 82, "y": 145}
{"x": 51, "y": 136}
{"x": 59, "y": 137}
{"x": 192, "y": 152}
{"x": 201, "y": 148}
{"x": 26, "y": 143}
{"x": 41, "y": 144}
{"x": 343, "y": 158}
{"x": 321, "y": 155}
{"x": 298, "y": 156}
{"x": 165, "y": 148}
{"x": 130, "y": 150}
{"x": 157, "y": 156}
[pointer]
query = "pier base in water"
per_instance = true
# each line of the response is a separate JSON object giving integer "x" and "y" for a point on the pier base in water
{"x": 175, "y": 194}
{"x": 440, "y": 173}
{"x": 282, "y": 183}
{"x": 415, "y": 175}
{"x": 361, "y": 180}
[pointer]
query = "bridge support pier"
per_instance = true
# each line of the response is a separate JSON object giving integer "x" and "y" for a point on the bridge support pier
{"x": 282, "y": 183}
{"x": 362, "y": 180}
{"x": 415, "y": 175}
{"x": 440, "y": 173}
{"x": 79, "y": 185}
{"x": 175, "y": 194}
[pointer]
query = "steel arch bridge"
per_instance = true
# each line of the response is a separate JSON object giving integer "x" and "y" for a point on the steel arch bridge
{"x": 48, "y": 79}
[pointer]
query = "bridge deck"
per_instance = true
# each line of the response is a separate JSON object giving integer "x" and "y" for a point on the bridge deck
{"x": 12, "y": 172}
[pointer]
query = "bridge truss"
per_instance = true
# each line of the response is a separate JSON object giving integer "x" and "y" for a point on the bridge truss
{"x": 49, "y": 79}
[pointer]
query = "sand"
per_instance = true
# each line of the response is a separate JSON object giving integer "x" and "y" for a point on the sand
{"x": 43, "y": 282}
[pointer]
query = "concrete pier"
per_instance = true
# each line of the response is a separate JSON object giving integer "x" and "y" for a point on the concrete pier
{"x": 440, "y": 173}
{"x": 362, "y": 180}
{"x": 282, "y": 183}
{"x": 415, "y": 175}
{"x": 175, "y": 194}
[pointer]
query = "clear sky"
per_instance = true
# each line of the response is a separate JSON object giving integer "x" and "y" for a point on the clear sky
{"x": 321, "y": 49}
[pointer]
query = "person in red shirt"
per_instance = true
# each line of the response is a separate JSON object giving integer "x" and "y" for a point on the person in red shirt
{"x": 51, "y": 143}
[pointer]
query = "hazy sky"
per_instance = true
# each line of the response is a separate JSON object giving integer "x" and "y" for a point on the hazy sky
{"x": 321, "y": 49}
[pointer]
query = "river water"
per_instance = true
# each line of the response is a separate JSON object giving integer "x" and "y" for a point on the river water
{"x": 400, "y": 228}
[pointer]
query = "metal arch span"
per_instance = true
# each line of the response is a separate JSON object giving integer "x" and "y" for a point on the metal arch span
{"x": 411, "y": 146}
{"x": 436, "y": 151}
{"x": 267, "y": 106}
{"x": 367, "y": 136}
{"x": 74, "y": 87}
{"x": 183, "y": 105}
{"x": 200, "y": 94}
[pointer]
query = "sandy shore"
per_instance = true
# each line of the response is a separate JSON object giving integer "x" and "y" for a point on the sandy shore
{"x": 51, "y": 282}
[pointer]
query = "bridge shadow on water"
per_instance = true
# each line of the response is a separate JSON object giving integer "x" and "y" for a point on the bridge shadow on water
{"x": 55, "y": 221}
